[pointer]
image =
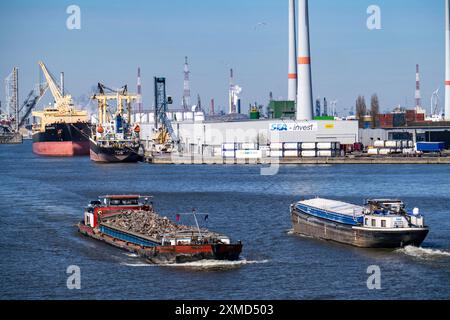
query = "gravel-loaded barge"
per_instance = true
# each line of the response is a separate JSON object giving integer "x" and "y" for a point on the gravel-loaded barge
{"x": 129, "y": 222}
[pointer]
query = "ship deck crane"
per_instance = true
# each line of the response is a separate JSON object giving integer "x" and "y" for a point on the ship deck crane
{"x": 63, "y": 110}
{"x": 106, "y": 94}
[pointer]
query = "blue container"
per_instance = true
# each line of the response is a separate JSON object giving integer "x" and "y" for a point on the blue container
{"x": 430, "y": 146}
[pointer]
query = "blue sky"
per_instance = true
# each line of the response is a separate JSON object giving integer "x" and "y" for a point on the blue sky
{"x": 118, "y": 36}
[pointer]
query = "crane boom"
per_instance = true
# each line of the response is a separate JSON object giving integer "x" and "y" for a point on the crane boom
{"x": 56, "y": 91}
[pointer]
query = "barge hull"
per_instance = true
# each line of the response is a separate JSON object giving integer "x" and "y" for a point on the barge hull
{"x": 169, "y": 254}
{"x": 326, "y": 230}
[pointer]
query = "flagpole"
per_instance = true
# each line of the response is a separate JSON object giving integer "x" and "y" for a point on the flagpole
{"x": 196, "y": 222}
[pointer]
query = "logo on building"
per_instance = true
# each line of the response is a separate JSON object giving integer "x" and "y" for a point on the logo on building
{"x": 294, "y": 127}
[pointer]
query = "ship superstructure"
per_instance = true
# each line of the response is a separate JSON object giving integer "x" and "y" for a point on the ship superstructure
{"x": 115, "y": 138}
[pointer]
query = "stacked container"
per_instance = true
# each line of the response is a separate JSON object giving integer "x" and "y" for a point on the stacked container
{"x": 291, "y": 149}
{"x": 229, "y": 150}
{"x": 381, "y": 147}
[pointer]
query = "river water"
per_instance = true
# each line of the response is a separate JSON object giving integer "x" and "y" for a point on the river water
{"x": 41, "y": 199}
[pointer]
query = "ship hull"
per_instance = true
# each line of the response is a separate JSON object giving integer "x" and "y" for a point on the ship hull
{"x": 113, "y": 155}
{"x": 307, "y": 225}
{"x": 168, "y": 254}
{"x": 62, "y": 140}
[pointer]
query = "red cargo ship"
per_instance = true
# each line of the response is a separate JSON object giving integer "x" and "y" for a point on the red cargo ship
{"x": 187, "y": 245}
{"x": 62, "y": 131}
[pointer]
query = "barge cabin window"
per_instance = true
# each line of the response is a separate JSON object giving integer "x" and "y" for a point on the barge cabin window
{"x": 124, "y": 202}
{"x": 374, "y": 223}
{"x": 383, "y": 223}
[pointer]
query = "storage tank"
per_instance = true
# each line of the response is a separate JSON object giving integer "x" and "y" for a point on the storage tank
{"x": 151, "y": 117}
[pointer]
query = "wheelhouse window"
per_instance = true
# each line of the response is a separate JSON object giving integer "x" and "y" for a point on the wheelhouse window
{"x": 124, "y": 202}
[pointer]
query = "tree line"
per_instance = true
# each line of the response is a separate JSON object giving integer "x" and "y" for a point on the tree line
{"x": 362, "y": 111}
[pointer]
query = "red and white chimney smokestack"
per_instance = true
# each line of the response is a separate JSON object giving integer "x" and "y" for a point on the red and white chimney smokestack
{"x": 292, "y": 74}
{"x": 418, "y": 95}
{"x": 304, "y": 91}
{"x": 447, "y": 60}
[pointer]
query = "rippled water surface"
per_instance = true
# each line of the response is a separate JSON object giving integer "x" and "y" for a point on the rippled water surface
{"x": 42, "y": 198}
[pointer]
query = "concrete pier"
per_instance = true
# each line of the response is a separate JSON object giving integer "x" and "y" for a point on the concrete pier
{"x": 199, "y": 160}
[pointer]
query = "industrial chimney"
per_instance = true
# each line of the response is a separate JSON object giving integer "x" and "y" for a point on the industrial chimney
{"x": 418, "y": 96}
{"x": 447, "y": 60}
{"x": 304, "y": 91}
{"x": 292, "y": 75}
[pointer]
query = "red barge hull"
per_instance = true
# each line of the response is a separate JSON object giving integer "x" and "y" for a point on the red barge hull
{"x": 169, "y": 254}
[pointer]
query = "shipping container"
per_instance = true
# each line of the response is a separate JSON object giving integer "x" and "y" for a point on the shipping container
{"x": 308, "y": 146}
{"x": 391, "y": 144}
{"x": 276, "y": 146}
{"x": 291, "y": 146}
{"x": 326, "y": 145}
{"x": 291, "y": 153}
{"x": 249, "y": 146}
{"x": 379, "y": 144}
{"x": 430, "y": 146}
{"x": 373, "y": 151}
{"x": 248, "y": 154}
{"x": 326, "y": 153}
{"x": 408, "y": 151}
{"x": 276, "y": 154}
{"x": 309, "y": 153}
{"x": 229, "y": 146}
{"x": 385, "y": 151}
{"x": 228, "y": 154}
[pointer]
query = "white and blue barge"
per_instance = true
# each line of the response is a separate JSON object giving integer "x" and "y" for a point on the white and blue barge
{"x": 381, "y": 223}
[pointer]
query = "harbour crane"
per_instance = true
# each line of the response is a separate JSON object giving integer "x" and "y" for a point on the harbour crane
{"x": 165, "y": 131}
{"x": 30, "y": 103}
